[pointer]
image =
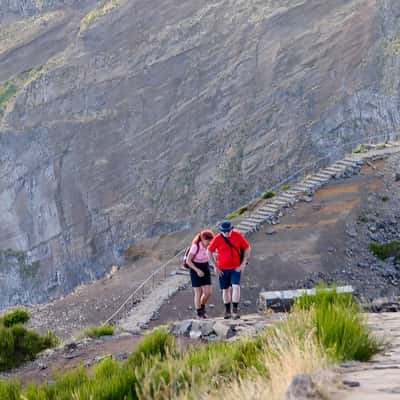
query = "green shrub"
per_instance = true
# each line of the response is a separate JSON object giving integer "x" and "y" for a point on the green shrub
{"x": 268, "y": 195}
{"x": 18, "y": 316}
{"x": 18, "y": 345}
{"x": 385, "y": 198}
{"x": 158, "y": 344}
{"x": 105, "y": 330}
{"x": 384, "y": 251}
{"x": 285, "y": 187}
{"x": 323, "y": 297}
{"x": 343, "y": 333}
{"x": 339, "y": 325}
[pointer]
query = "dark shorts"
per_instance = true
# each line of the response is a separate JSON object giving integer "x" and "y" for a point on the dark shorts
{"x": 229, "y": 278}
{"x": 204, "y": 280}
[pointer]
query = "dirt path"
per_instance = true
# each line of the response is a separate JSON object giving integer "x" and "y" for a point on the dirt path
{"x": 380, "y": 378}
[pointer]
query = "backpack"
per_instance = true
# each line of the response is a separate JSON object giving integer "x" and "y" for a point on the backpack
{"x": 186, "y": 256}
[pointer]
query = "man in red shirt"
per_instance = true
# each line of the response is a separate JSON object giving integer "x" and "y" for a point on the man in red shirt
{"x": 233, "y": 252}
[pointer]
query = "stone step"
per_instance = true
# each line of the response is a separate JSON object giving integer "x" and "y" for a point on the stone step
{"x": 347, "y": 163}
{"x": 321, "y": 175}
{"x": 264, "y": 213}
{"x": 288, "y": 196}
{"x": 256, "y": 219}
{"x": 306, "y": 186}
{"x": 294, "y": 191}
{"x": 247, "y": 223}
{"x": 281, "y": 203}
{"x": 311, "y": 181}
{"x": 269, "y": 207}
{"x": 335, "y": 169}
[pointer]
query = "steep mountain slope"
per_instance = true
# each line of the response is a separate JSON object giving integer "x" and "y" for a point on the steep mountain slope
{"x": 144, "y": 117}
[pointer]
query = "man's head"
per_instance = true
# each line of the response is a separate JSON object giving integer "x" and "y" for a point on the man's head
{"x": 226, "y": 228}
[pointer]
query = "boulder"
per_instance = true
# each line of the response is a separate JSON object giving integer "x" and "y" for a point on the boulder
{"x": 223, "y": 331}
{"x": 302, "y": 387}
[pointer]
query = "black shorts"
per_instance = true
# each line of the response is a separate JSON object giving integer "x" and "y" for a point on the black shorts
{"x": 204, "y": 280}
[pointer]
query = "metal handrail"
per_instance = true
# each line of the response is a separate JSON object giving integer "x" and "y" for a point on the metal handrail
{"x": 142, "y": 286}
{"x": 163, "y": 268}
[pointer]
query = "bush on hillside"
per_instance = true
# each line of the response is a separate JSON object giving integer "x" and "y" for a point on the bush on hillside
{"x": 18, "y": 316}
{"x": 18, "y": 345}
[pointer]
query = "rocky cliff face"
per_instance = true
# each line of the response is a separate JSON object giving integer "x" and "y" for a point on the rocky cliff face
{"x": 148, "y": 116}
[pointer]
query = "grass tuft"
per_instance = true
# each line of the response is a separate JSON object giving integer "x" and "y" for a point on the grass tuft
{"x": 339, "y": 325}
{"x": 285, "y": 187}
{"x": 268, "y": 195}
{"x": 384, "y": 251}
{"x": 97, "y": 331}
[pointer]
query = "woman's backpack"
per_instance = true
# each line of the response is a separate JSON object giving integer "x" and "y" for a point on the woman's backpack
{"x": 186, "y": 256}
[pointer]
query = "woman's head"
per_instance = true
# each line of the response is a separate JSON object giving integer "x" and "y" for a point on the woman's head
{"x": 205, "y": 237}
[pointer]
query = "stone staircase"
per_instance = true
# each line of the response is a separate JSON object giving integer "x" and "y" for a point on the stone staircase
{"x": 274, "y": 208}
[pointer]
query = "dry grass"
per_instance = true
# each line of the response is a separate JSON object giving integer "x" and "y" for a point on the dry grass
{"x": 102, "y": 9}
{"x": 292, "y": 355}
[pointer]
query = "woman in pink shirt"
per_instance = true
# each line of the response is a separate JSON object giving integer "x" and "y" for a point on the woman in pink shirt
{"x": 200, "y": 271}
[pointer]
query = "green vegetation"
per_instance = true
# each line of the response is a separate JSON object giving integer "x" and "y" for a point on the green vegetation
{"x": 385, "y": 198}
{"x": 237, "y": 213}
{"x": 105, "y": 330}
{"x": 384, "y": 251}
{"x": 18, "y": 316}
{"x": 268, "y": 195}
{"x": 339, "y": 325}
{"x": 102, "y": 9}
{"x": 359, "y": 149}
{"x": 285, "y": 187}
{"x": 18, "y": 344}
{"x": 7, "y": 91}
{"x": 327, "y": 327}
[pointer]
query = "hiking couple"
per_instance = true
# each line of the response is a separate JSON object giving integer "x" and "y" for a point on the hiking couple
{"x": 228, "y": 252}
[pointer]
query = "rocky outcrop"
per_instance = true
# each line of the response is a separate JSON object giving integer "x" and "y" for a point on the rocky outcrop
{"x": 162, "y": 116}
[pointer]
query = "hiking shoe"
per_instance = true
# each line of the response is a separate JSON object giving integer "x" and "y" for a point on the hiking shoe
{"x": 235, "y": 315}
{"x": 227, "y": 315}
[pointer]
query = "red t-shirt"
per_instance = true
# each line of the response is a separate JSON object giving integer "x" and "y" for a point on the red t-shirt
{"x": 228, "y": 258}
